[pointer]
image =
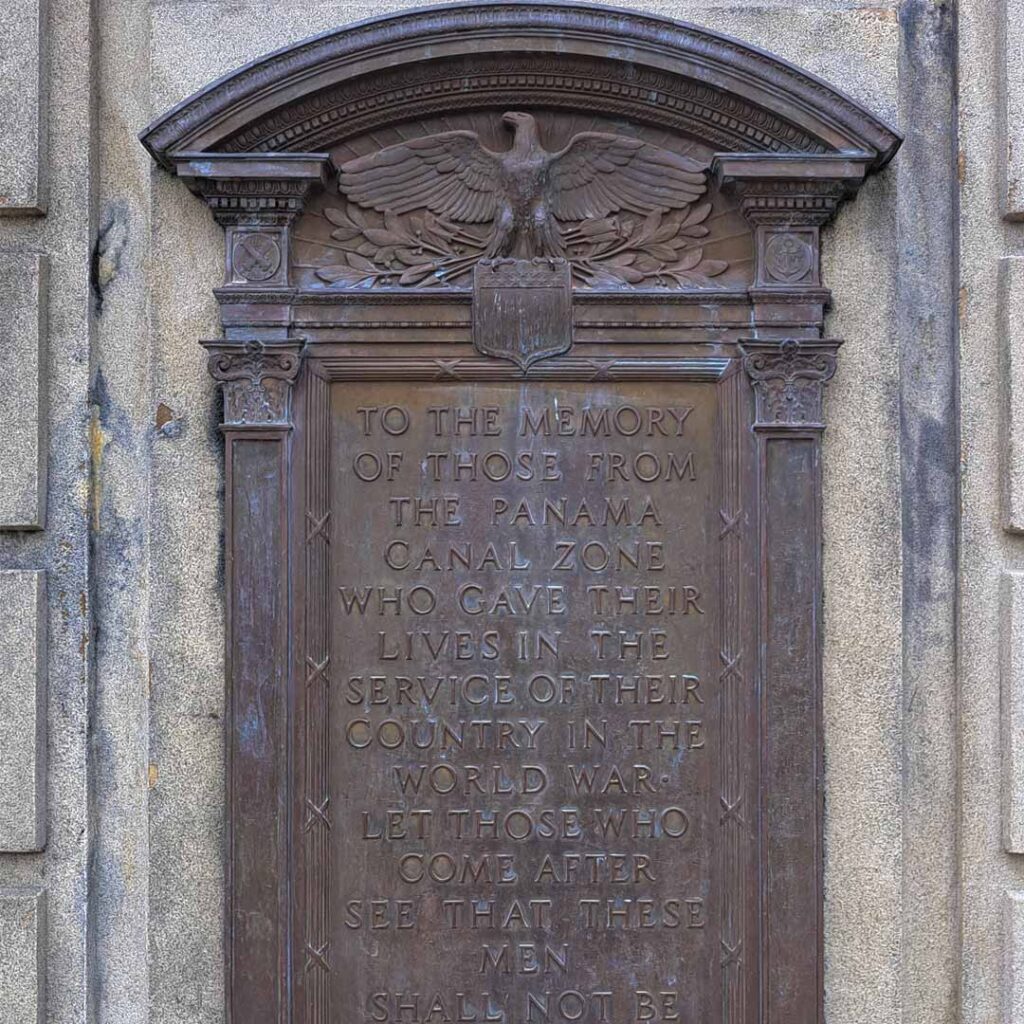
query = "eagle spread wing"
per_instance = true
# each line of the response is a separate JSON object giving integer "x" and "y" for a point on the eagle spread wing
{"x": 598, "y": 174}
{"x": 450, "y": 173}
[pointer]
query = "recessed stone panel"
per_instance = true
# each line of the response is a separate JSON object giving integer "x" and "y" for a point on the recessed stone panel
{"x": 1011, "y": 311}
{"x": 23, "y": 291}
{"x": 22, "y": 712}
{"x": 22, "y": 128}
{"x": 1012, "y": 685}
{"x": 1013, "y": 958}
{"x": 1012, "y": 141}
{"x": 22, "y": 966}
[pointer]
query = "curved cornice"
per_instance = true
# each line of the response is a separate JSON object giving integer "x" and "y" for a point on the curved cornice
{"x": 388, "y": 69}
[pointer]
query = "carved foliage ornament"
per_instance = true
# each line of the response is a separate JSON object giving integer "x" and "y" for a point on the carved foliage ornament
{"x": 425, "y": 211}
{"x": 789, "y": 379}
{"x": 257, "y": 380}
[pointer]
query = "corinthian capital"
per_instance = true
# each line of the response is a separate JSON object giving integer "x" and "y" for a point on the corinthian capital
{"x": 257, "y": 379}
{"x": 789, "y": 380}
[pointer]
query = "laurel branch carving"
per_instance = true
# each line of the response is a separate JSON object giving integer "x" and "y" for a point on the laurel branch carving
{"x": 387, "y": 250}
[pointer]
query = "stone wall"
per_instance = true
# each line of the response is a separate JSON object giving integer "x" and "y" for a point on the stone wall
{"x": 111, "y": 575}
{"x": 989, "y": 680}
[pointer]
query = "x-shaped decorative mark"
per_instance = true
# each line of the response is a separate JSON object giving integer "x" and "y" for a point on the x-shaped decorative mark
{"x": 447, "y": 369}
{"x": 317, "y": 812}
{"x": 730, "y": 522}
{"x": 601, "y": 369}
{"x": 317, "y": 957}
{"x": 732, "y": 954}
{"x": 317, "y": 671}
{"x": 730, "y": 664}
{"x": 317, "y": 527}
{"x": 731, "y": 811}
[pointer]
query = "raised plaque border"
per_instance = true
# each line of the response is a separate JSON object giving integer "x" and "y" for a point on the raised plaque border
{"x": 790, "y": 149}
{"x": 737, "y": 874}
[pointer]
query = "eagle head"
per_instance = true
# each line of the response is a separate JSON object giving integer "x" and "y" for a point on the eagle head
{"x": 514, "y": 118}
{"x": 526, "y": 138}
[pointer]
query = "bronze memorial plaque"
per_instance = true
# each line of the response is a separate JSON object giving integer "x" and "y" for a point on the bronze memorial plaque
{"x": 526, "y": 732}
{"x": 523, "y": 357}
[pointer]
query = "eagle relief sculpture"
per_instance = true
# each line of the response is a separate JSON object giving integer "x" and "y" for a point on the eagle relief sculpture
{"x": 426, "y": 211}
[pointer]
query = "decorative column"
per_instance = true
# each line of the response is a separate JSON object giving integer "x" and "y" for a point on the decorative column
{"x": 786, "y": 199}
{"x": 256, "y": 197}
{"x": 789, "y": 378}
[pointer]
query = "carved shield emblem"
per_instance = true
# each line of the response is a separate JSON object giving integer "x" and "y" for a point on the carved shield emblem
{"x": 522, "y": 309}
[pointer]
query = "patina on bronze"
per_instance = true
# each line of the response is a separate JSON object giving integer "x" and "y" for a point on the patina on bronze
{"x": 522, "y": 309}
{"x": 524, "y": 608}
{"x": 523, "y": 364}
{"x": 523, "y": 193}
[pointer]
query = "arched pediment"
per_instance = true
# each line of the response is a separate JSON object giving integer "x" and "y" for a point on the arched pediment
{"x": 680, "y": 77}
{"x": 654, "y": 136}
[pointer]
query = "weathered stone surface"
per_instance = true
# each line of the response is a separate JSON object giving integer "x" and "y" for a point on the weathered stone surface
{"x": 22, "y": 955}
{"x": 926, "y": 320}
{"x": 863, "y": 718}
{"x": 23, "y": 298}
{"x": 67, "y": 235}
{"x": 186, "y": 702}
{"x": 1013, "y": 958}
{"x": 986, "y": 870}
{"x": 22, "y": 127}
{"x": 1011, "y": 112}
{"x": 22, "y": 712}
{"x": 1011, "y": 312}
{"x": 1011, "y": 675}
